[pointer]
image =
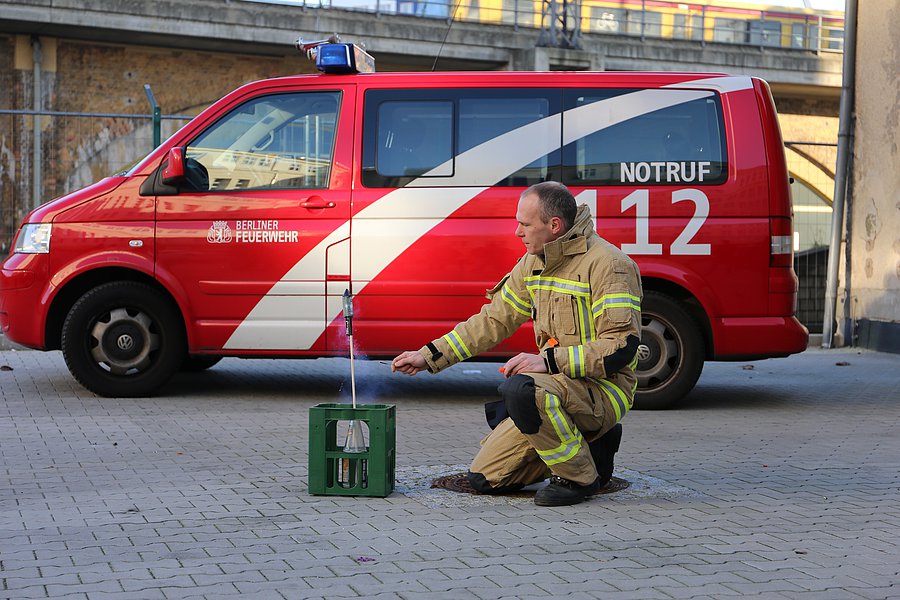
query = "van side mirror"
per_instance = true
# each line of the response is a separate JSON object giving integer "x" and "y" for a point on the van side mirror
{"x": 173, "y": 173}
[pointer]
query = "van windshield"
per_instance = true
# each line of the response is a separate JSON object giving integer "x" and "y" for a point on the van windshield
{"x": 276, "y": 142}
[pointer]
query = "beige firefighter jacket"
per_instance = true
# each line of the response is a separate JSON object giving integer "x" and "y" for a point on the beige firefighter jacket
{"x": 584, "y": 296}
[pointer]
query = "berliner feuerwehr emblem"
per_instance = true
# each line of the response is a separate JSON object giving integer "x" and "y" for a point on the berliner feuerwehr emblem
{"x": 219, "y": 233}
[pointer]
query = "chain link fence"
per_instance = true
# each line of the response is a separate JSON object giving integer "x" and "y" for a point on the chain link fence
{"x": 812, "y": 167}
{"x": 71, "y": 150}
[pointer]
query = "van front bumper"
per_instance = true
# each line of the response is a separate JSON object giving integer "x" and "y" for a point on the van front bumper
{"x": 22, "y": 307}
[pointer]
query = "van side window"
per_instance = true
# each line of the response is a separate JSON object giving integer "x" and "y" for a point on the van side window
{"x": 460, "y": 137}
{"x": 415, "y": 138}
{"x": 282, "y": 141}
{"x": 646, "y": 137}
{"x": 485, "y": 119}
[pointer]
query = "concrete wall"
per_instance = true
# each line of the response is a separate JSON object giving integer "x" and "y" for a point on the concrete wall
{"x": 874, "y": 216}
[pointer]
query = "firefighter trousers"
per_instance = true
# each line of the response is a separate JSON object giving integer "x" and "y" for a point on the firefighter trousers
{"x": 551, "y": 430}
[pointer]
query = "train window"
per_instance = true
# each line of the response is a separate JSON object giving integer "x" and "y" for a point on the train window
{"x": 607, "y": 20}
{"x": 644, "y": 22}
{"x": 764, "y": 33}
{"x": 730, "y": 31}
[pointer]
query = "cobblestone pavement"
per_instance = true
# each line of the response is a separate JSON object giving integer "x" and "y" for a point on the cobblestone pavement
{"x": 774, "y": 479}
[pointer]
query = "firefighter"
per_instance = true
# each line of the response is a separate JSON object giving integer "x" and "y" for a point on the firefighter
{"x": 560, "y": 407}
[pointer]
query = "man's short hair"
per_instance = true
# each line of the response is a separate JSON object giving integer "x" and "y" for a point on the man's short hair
{"x": 554, "y": 200}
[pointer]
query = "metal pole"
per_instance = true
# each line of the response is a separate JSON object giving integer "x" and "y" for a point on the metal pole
{"x": 643, "y": 17}
{"x": 819, "y": 33}
{"x": 157, "y": 115}
{"x": 37, "y": 57}
{"x": 703, "y": 27}
{"x": 841, "y": 178}
{"x": 762, "y": 33}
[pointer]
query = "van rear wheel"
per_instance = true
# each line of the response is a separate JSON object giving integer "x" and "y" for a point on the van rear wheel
{"x": 123, "y": 339}
{"x": 670, "y": 355}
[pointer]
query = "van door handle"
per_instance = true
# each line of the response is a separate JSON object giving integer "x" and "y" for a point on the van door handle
{"x": 316, "y": 202}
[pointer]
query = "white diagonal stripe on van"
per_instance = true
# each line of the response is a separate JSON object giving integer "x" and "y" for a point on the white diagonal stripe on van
{"x": 723, "y": 85}
{"x": 413, "y": 213}
{"x": 590, "y": 118}
{"x": 498, "y": 157}
{"x": 281, "y": 322}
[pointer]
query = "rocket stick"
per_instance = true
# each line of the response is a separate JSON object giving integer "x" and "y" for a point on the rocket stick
{"x": 348, "y": 319}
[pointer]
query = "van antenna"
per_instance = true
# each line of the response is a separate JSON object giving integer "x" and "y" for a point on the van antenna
{"x": 446, "y": 33}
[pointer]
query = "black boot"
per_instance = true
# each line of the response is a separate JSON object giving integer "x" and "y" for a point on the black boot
{"x": 603, "y": 451}
{"x": 562, "y": 492}
{"x": 480, "y": 484}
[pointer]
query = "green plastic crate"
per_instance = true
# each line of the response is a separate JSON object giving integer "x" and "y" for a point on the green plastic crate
{"x": 335, "y": 472}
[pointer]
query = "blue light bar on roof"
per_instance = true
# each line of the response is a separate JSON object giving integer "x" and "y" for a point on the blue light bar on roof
{"x": 343, "y": 58}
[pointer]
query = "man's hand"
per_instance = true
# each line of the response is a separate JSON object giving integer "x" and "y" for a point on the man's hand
{"x": 410, "y": 362}
{"x": 524, "y": 363}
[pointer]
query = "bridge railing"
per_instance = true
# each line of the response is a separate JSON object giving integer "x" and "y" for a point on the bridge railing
{"x": 727, "y": 23}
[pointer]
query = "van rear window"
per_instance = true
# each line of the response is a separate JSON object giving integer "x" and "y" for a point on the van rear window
{"x": 651, "y": 137}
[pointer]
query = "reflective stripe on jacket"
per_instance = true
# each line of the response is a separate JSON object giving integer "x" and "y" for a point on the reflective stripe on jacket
{"x": 584, "y": 295}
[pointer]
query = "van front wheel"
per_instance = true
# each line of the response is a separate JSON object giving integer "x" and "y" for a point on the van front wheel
{"x": 123, "y": 339}
{"x": 670, "y": 355}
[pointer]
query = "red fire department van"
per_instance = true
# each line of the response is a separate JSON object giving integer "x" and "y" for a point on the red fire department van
{"x": 239, "y": 234}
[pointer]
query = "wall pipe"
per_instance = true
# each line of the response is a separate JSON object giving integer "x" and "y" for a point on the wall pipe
{"x": 841, "y": 178}
{"x": 37, "y": 58}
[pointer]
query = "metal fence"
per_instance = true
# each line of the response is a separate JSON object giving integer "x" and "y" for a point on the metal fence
{"x": 812, "y": 167}
{"x": 71, "y": 150}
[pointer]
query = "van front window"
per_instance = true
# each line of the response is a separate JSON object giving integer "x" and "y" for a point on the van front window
{"x": 283, "y": 141}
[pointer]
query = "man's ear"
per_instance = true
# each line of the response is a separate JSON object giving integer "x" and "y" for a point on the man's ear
{"x": 556, "y": 225}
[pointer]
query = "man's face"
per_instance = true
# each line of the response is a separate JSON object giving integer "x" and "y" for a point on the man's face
{"x": 533, "y": 232}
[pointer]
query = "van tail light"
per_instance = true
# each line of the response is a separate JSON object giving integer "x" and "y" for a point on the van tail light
{"x": 782, "y": 249}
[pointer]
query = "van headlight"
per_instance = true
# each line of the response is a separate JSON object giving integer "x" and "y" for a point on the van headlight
{"x": 34, "y": 238}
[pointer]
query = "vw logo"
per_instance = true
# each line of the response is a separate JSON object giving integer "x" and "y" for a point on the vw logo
{"x": 643, "y": 352}
{"x": 125, "y": 342}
